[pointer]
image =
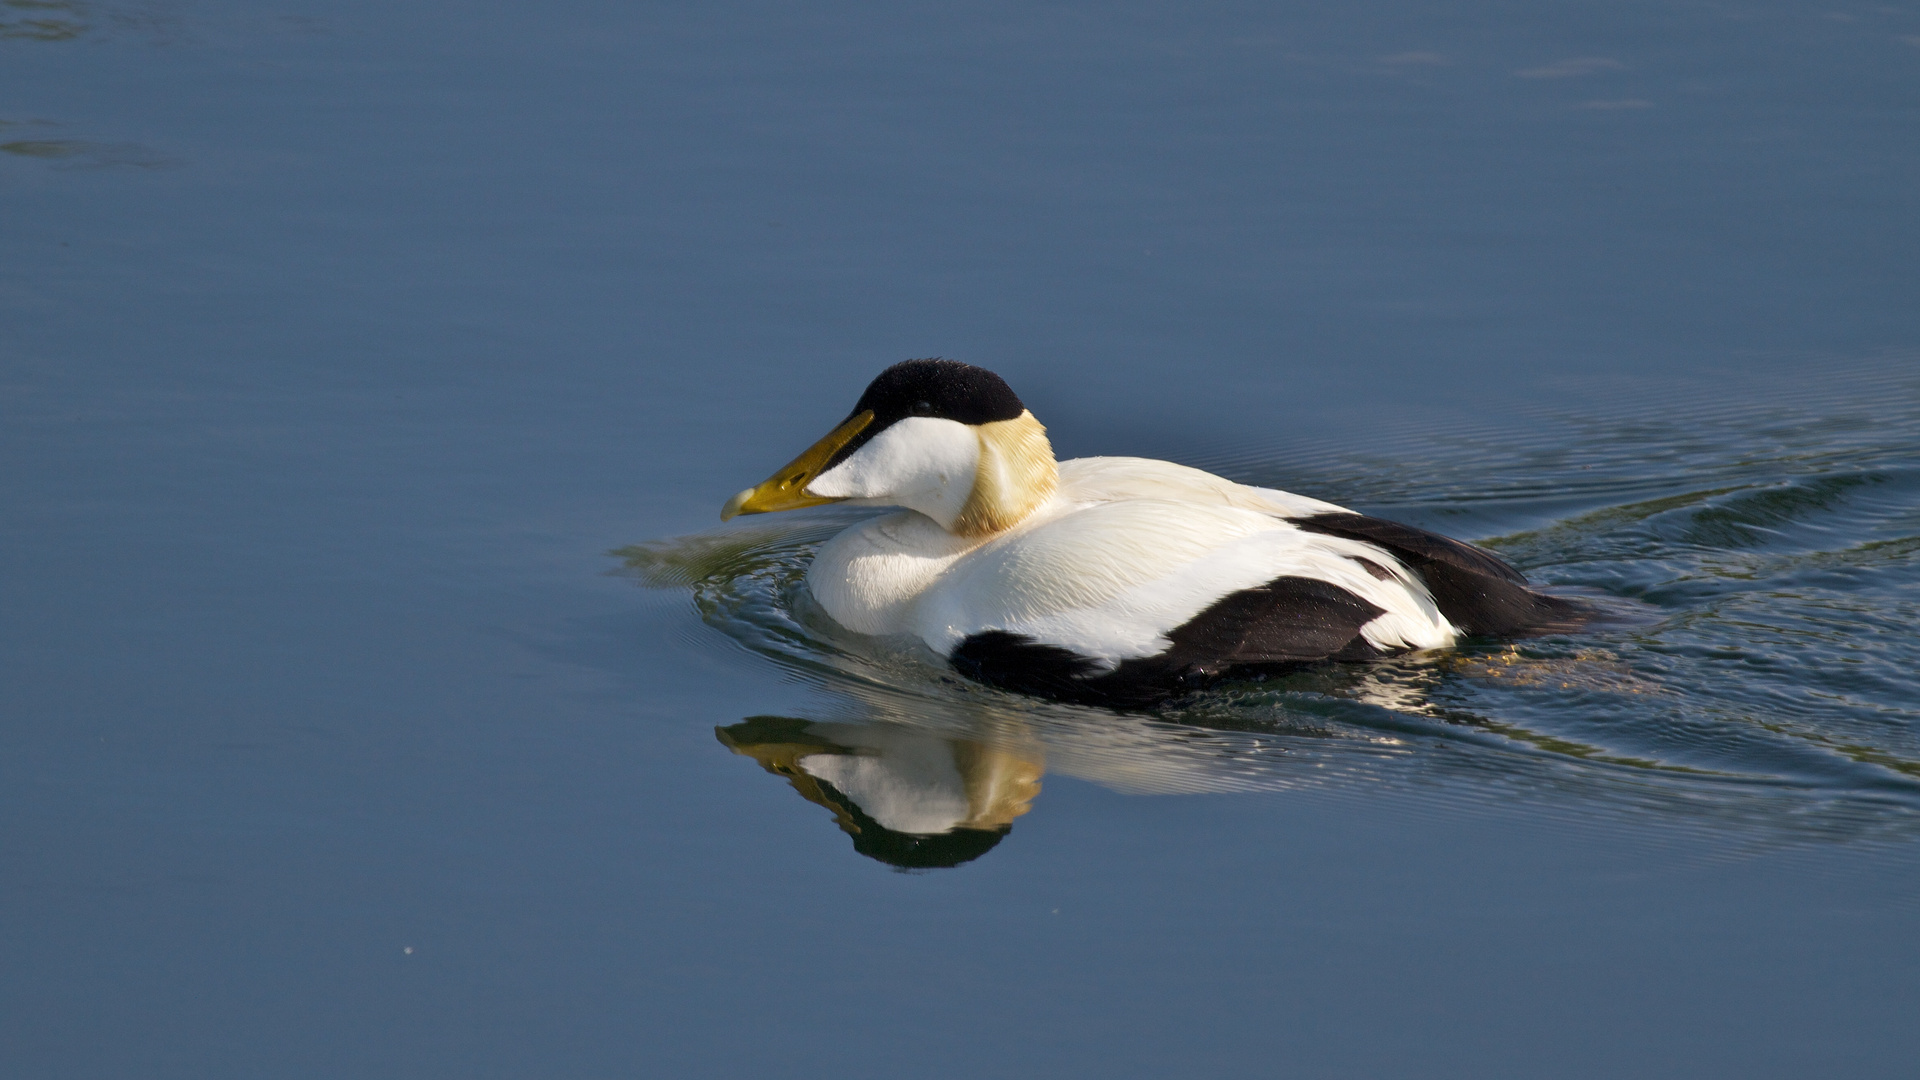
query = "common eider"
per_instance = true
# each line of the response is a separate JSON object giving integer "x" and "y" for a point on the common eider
{"x": 1112, "y": 580}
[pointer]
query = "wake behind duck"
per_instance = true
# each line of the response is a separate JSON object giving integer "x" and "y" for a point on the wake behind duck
{"x": 1111, "y": 580}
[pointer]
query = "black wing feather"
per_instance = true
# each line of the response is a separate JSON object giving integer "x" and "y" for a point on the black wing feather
{"x": 1475, "y": 589}
{"x": 1287, "y": 621}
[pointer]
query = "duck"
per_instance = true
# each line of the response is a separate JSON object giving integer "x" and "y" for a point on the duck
{"x": 1117, "y": 581}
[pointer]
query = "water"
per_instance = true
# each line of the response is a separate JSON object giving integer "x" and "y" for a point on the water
{"x": 342, "y": 346}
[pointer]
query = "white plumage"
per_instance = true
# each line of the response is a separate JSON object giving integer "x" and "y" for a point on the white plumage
{"x": 1126, "y": 550}
{"x": 1110, "y": 579}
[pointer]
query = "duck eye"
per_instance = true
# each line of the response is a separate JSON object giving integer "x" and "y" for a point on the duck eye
{"x": 923, "y": 407}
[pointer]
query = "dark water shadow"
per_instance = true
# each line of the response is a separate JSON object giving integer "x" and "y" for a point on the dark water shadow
{"x": 43, "y": 20}
{"x": 87, "y": 154}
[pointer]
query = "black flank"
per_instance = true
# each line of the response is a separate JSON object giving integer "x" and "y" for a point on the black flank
{"x": 1287, "y": 622}
{"x": 1017, "y": 662}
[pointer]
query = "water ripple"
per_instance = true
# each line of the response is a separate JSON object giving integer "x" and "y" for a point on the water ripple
{"x": 1774, "y": 688}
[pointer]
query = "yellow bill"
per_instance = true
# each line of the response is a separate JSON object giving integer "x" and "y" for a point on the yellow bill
{"x": 787, "y": 489}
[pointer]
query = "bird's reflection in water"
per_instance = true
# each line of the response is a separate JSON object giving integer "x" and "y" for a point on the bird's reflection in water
{"x": 920, "y": 781}
{"x": 911, "y": 798}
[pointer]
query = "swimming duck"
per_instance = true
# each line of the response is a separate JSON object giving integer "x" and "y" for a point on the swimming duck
{"x": 1111, "y": 580}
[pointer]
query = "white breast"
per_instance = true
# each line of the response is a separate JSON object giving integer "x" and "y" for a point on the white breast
{"x": 869, "y": 577}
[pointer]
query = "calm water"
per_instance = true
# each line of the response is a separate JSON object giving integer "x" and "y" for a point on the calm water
{"x": 384, "y": 699}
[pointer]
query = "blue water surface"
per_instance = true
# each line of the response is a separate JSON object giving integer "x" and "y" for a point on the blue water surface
{"x": 383, "y": 699}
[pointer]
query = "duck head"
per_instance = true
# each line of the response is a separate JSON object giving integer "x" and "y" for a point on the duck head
{"x": 947, "y": 439}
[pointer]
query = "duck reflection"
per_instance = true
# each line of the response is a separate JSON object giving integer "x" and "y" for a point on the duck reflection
{"x": 911, "y": 798}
